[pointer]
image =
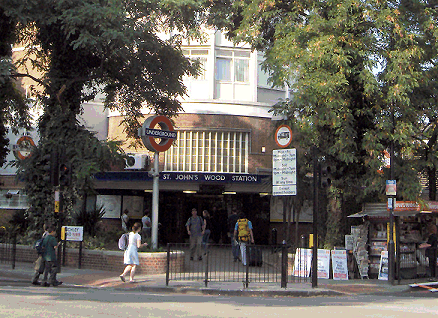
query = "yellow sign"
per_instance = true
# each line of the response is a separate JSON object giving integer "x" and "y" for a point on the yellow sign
{"x": 56, "y": 201}
{"x": 63, "y": 233}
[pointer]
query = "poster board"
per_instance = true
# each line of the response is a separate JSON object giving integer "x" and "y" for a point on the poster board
{"x": 349, "y": 242}
{"x": 323, "y": 264}
{"x": 302, "y": 262}
{"x": 134, "y": 204}
{"x": 112, "y": 205}
{"x": 383, "y": 267}
{"x": 339, "y": 264}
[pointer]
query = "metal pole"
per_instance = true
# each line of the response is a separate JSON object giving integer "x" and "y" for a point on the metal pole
{"x": 284, "y": 269}
{"x": 315, "y": 225}
{"x": 155, "y": 196}
{"x": 391, "y": 255}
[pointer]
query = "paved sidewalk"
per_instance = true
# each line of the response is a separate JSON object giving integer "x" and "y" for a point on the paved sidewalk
{"x": 157, "y": 283}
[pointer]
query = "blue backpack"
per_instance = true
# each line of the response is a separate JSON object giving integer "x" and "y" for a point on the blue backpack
{"x": 39, "y": 246}
{"x": 124, "y": 241}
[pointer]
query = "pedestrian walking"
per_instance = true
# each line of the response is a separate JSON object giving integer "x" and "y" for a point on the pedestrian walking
{"x": 207, "y": 231}
{"x": 39, "y": 263}
{"x": 232, "y": 219}
{"x": 195, "y": 228}
{"x": 50, "y": 244}
{"x": 130, "y": 258}
{"x": 243, "y": 233}
{"x": 125, "y": 220}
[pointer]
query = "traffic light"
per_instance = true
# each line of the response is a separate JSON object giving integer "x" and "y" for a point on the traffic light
{"x": 327, "y": 174}
{"x": 50, "y": 171}
{"x": 64, "y": 174}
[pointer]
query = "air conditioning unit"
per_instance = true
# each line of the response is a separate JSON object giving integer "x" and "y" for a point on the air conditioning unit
{"x": 136, "y": 161}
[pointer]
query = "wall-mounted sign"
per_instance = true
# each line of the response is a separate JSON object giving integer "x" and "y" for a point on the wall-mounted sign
{"x": 391, "y": 187}
{"x": 283, "y": 136}
{"x": 23, "y": 147}
{"x": 148, "y": 133}
{"x": 202, "y": 177}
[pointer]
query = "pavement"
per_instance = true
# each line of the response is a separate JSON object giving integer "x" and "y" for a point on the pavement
{"x": 74, "y": 277}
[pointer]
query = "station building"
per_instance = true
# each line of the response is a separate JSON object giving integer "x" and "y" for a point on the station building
{"x": 221, "y": 159}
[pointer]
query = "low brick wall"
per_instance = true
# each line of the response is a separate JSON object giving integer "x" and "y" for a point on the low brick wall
{"x": 150, "y": 263}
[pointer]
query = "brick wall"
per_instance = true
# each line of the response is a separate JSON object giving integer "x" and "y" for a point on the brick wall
{"x": 150, "y": 263}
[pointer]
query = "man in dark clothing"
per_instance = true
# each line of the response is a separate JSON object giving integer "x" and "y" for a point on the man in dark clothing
{"x": 232, "y": 219}
{"x": 39, "y": 263}
{"x": 49, "y": 256}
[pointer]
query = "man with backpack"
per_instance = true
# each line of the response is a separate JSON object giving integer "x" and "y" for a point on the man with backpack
{"x": 243, "y": 234}
{"x": 195, "y": 228}
{"x": 49, "y": 256}
{"x": 39, "y": 263}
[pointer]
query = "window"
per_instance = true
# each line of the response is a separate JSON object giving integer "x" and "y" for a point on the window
{"x": 241, "y": 71}
{"x": 232, "y": 65}
{"x": 223, "y": 69}
{"x": 201, "y": 56}
{"x": 209, "y": 151}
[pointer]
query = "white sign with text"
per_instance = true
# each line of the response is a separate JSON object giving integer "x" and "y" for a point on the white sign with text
{"x": 284, "y": 172}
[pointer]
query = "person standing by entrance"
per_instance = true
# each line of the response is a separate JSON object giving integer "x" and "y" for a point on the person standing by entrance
{"x": 243, "y": 233}
{"x": 195, "y": 228}
{"x": 232, "y": 219}
{"x": 431, "y": 248}
{"x": 207, "y": 231}
{"x": 146, "y": 221}
{"x": 125, "y": 220}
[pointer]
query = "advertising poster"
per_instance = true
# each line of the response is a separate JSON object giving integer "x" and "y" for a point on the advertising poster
{"x": 134, "y": 204}
{"x": 323, "y": 264}
{"x": 302, "y": 262}
{"x": 339, "y": 262}
{"x": 112, "y": 205}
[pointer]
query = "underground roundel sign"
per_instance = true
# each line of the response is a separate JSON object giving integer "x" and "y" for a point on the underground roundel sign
{"x": 283, "y": 136}
{"x": 23, "y": 148}
{"x": 149, "y": 134}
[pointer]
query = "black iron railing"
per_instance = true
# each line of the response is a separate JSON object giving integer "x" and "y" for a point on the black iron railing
{"x": 8, "y": 247}
{"x": 273, "y": 265}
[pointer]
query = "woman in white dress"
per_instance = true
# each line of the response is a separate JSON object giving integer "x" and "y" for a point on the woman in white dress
{"x": 131, "y": 253}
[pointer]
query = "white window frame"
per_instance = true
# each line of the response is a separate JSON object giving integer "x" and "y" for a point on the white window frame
{"x": 189, "y": 152}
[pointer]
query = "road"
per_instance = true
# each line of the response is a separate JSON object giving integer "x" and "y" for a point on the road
{"x": 30, "y": 301}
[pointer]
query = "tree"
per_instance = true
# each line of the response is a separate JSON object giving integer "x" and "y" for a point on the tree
{"x": 352, "y": 66}
{"x": 84, "y": 47}
{"x": 13, "y": 107}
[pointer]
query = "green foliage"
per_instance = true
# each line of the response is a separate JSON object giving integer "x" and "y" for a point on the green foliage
{"x": 18, "y": 222}
{"x": 85, "y": 47}
{"x": 13, "y": 107}
{"x": 90, "y": 220}
{"x": 351, "y": 65}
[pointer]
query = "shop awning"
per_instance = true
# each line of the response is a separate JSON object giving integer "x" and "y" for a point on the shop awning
{"x": 402, "y": 208}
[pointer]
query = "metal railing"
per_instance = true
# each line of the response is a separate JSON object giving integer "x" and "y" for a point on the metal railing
{"x": 218, "y": 265}
{"x": 8, "y": 247}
